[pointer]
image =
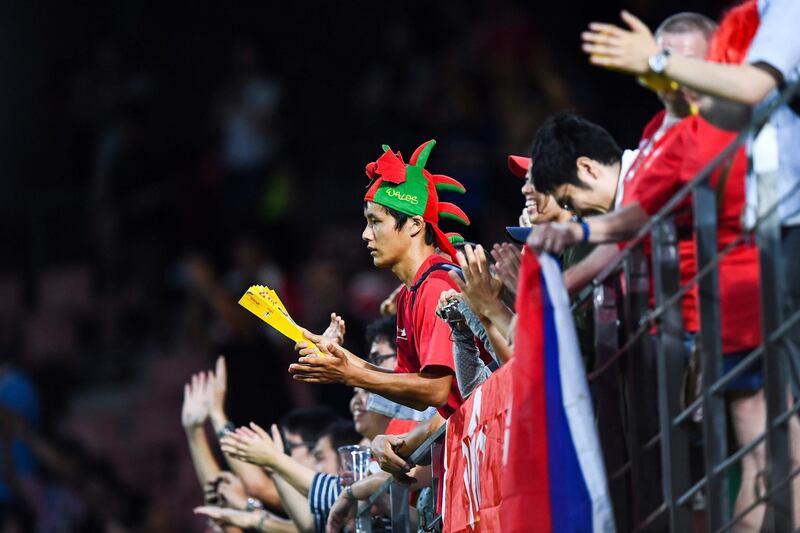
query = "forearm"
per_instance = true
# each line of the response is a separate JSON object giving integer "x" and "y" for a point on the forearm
{"x": 471, "y": 371}
{"x": 299, "y": 476}
{"x": 256, "y": 482}
{"x": 619, "y": 225}
{"x": 581, "y": 274}
{"x": 500, "y": 317}
{"x": 503, "y": 351}
{"x": 366, "y": 487}
{"x": 418, "y": 391}
{"x": 273, "y": 524}
{"x": 414, "y": 438}
{"x": 205, "y": 466}
{"x": 295, "y": 504}
{"x": 745, "y": 84}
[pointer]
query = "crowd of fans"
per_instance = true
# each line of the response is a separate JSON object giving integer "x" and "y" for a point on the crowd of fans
{"x": 95, "y": 351}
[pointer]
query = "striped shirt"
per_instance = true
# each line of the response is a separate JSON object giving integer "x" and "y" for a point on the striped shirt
{"x": 325, "y": 488}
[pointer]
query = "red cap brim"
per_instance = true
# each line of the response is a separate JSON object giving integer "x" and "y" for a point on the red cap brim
{"x": 519, "y": 165}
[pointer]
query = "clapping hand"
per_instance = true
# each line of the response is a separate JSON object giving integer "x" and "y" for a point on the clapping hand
{"x": 508, "y": 259}
{"x": 251, "y": 445}
{"x": 335, "y": 330}
{"x": 480, "y": 288}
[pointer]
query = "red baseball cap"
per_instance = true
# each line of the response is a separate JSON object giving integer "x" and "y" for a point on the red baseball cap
{"x": 519, "y": 165}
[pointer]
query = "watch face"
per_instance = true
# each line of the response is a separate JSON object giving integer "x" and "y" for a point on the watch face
{"x": 658, "y": 62}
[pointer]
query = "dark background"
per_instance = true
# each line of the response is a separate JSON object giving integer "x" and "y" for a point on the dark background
{"x": 122, "y": 209}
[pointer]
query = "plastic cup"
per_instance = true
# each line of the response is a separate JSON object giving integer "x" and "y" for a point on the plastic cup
{"x": 354, "y": 461}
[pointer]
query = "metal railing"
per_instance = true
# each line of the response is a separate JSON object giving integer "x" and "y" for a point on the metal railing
{"x": 645, "y": 430}
{"x": 622, "y": 376}
{"x": 399, "y": 493}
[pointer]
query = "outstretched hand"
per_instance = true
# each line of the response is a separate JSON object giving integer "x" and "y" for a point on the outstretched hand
{"x": 616, "y": 48}
{"x": 195, "y": 400}
{"x": 231, "y": 517}
{"x": 251, "y": 445}
{"x": 333, "y": 367}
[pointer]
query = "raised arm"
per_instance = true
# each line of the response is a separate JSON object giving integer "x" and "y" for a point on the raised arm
{"x": 256, "y": 482}
{"x": 629, "y": 50}
{"x": 616, "y": 226}
{"x": 193, "y": 416}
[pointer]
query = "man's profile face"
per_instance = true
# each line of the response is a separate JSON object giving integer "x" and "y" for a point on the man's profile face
{"x": 383, "y": 355}
{"x": 386, "y": 244}
{"x": 593, "y": 197}
{"x": 325, "y": 457}
{"x": 691, "y": 44}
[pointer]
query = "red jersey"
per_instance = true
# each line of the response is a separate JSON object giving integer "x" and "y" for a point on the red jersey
{"x": 423, "y": 340}
{"x": 650, "y": 148}
{"x": 684, "y": 151}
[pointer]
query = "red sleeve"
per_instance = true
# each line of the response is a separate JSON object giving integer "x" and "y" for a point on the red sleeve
{"x": 432, "y": 335}
{"x": 661, "y": 175}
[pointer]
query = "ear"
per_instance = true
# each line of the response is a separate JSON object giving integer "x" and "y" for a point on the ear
{"x": 415, "y": 225}
{"x": 587, "y": 167}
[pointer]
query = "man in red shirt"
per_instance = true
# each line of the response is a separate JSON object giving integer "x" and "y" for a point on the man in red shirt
{"x": 402, "y": 210}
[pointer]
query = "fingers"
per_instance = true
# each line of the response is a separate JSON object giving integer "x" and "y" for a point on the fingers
{"x": 603, "y": 28}
{"x": 600, "y": 49}
{"x": 260, "y": 431}
{"x": 221, "y": 371}
{"x": 633, "y": 22}
{"x": 336, "y": 351}
{"x": 209, "y": 511}
{"x": 277, "y": 438}
{"x": 483, "y": 264}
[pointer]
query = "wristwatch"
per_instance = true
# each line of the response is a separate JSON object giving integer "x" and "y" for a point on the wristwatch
{"x": 348, "y": 493}
{"x": 253, "y": 504}
{"x": 658, "y": 61}
{"x": 227, "y": 429}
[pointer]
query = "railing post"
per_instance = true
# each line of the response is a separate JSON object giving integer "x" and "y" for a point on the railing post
{"x": 398, "y": 494}
{"x": 608, "y": 394}
{"x": 779, "y": 510}
{"x": 714, "y": 414}
{"x": 671, "y": 366}
{"x": 363, "y": 518}
{"x": 642, "y": 408}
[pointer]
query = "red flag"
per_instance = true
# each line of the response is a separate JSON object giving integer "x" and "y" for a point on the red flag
{"x": 474, "y": 457}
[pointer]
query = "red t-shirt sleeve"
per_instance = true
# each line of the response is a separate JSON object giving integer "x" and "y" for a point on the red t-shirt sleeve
{"x": 661, "y": 174}
{"x": 433, "y": 343}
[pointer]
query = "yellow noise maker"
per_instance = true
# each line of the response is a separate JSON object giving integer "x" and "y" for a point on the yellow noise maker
{"x": 266, "y": 305}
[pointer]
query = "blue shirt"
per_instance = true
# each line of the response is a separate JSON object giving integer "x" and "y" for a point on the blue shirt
{"x": 777, "y": 43}
{"x": 18, "y": 394}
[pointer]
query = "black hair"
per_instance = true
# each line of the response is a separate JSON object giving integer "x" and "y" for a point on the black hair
{"x": 383, "y": 329}
{"x": 688, "y": 22}
{"x": 309, "y": 422}
{"x": 342, "y": 433}
{"x": 400, "y": 220}
{"x": 560, "y": 141}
